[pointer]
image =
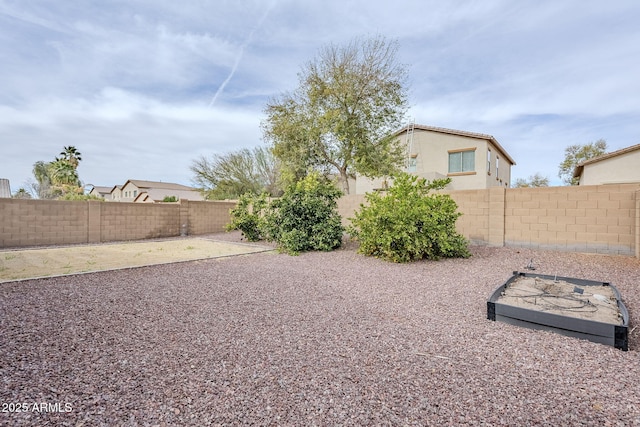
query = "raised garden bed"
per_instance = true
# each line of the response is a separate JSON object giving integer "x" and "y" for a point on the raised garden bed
{"x": 578, "y": 308}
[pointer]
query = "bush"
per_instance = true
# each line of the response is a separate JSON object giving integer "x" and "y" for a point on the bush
{"x": 305, "y": 217}
{"x": 247, "y": 216}
{"x": 407, "y": 223}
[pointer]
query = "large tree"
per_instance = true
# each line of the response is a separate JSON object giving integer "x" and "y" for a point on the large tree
{"x": 42, "y": 186}
{"x": 58, "y": 178}
{"x": 575, "y": 154}
{"x": 229, "y": 175}
{"x": 341, "y": 117}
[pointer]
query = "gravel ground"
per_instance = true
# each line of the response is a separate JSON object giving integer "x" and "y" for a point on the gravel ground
{"x": 319, "y": 339}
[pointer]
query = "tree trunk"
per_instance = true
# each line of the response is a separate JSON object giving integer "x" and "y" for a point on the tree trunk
{"x": 345, "y": 181}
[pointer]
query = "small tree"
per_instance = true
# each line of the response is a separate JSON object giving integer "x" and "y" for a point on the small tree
{"x": 305, "y": 217}
{"x": 535, "y": 180}
{"x": 22, "y": 193}
{"x": 230, "y": 175}
{"x": 575, "y": 154}
{"x": 407, "y": 223}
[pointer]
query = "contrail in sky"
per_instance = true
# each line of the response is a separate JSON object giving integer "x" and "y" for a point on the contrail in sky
{"x": 239, "y": 56}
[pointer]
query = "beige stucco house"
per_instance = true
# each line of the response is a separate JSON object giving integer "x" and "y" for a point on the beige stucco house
{"x": 151, "y": 191}
{"x": 618, "y": 167}
{"x": 472, "y": 160}
{"x": 104, "y": 192}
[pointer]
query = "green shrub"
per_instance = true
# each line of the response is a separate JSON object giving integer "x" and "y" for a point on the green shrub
{"x": 247, "y": 216}
{"x": 170, "y": 199}
{"x": 305, "y": 217}
{"x": 407, "y": 223}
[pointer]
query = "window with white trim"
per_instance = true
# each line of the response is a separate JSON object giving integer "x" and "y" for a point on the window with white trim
{"x": 462, "y": 161}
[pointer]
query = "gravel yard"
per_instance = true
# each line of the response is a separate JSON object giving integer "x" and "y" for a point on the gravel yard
{"x": 319, "y": 339}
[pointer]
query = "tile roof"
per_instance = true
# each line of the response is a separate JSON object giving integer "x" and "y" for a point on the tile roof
{"x": 461, "y": 133}
{"x": 580, "y": 166}
{"x": 158, "y": 184}
{"x": 611, "y": 154}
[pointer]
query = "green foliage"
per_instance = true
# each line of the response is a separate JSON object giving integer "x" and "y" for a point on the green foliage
{"x": 75, "y": 196}
{"x": 407, "y": 223}
{"x": 229, "y": 175}
{"x": 59, "y": 179}
{"x": 170, "y": 199}
{"x": 248, "y": 216}
{"x": 341, "y": 117}
{"x": 22, "y": 193}
{"x": 535, "y": 180}
{"x": 576, "y": 154}
{"x": 306, "y": 217}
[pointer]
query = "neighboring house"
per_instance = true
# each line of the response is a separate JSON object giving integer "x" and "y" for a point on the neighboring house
{"x": 472, "y": 160}
{"x": 104, "y": 192}
{"x": 152, "y": 191}
{"x": 116, "y": 194}
{"x": 618, "y": 167}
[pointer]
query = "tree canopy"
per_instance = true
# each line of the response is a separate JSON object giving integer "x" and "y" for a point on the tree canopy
{"x": 575, "y": 154}
{"x": 535, "y": 180}
{"x": 59, "y": 178}
{"x": 229, "y": 175}
{"x": 341, "y": 117}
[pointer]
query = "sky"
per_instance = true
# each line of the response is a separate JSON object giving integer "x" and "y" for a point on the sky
{"x": 142, "y": 88}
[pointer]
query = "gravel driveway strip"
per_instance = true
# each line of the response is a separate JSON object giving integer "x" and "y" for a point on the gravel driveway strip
{"x": 318, "y": 339}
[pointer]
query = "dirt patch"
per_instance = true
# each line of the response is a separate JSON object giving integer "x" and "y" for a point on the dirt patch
{"x": 45, "y": 262}
{"x": 596, "y": 303}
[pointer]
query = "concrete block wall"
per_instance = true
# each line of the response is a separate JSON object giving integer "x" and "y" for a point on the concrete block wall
{"x": 209, "y": 217}
{"x": 348, "y": 205}
{"x": 26, "y": 223}
{"x": 474, "y": 222}
{"x": 134, "y": 221}
{"x": 40, "y": 222}
{"x": 637, "y": 230}
{"x": 599, "y": 219}
{"x": 595, "y": 219}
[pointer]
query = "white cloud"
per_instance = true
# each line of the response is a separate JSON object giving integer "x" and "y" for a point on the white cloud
{"x": 129, "y": 82}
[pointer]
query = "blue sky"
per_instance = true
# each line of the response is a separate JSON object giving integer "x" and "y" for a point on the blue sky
{"x": 141, "y": 88}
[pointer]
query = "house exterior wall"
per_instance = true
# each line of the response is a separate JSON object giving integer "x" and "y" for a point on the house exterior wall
{"x": 129, "y": 192}
{"x": 116, "y": 195}
{"x": 431, "y": 152}
{"x": 624, "y": 168}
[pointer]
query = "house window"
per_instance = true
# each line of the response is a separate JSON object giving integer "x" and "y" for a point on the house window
{"x": 135, "y": 193}
{"x": 462, "y": 161}
{"x": 488, "y": 162}
{"x": 413, "y": 163}
{"x": 497, "y": 164}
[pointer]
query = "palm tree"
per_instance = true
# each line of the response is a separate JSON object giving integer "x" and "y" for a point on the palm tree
{"x": 71, "y": 155}
{"x": 62, "y": 172}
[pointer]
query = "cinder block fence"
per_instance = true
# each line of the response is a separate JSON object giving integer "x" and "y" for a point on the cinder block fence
{"x": 51, "y": 222}
{"x": 598, "y": 219}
